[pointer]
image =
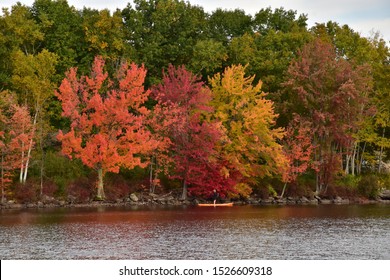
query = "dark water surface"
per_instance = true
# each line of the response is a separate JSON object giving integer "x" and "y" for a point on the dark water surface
{"x": 239, "y": 232}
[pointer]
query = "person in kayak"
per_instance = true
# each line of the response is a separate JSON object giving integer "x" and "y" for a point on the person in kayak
{"x": 215, "y": 196}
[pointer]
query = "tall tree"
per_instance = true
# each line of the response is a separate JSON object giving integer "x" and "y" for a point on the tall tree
{"x": 252, "y": 144}
{"x": 372, "y": 140}
{"x": 32, "y": 79}
{"x": 224, "y": 25}
{"x": 63, "y": 32}
{"x": 185, "y": 100}
{"x": 163, "y": 32}
{"x": 21, "y": 30}
{"x": 107, "y": 118}
{"x": 18, "y": 31}
{"x": 329, "y": 93}
{"x": 280, "y": 20}
{"x": 15, "y": 138}
{"x": 298, "y": 148}
{"x": 104, "y": 35}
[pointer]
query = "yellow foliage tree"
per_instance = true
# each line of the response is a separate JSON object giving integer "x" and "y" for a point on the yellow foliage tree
{"x": 251, "y": 143}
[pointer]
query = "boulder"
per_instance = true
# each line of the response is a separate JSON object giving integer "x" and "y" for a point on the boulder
{"x": 71, "y": 199}
{"x": 339, "y": 200}
{"x": 325, "y": 201}
{"x": 385, "y": 195}
{"x": 267, "y": 201}
{"x": 281, "y": 201}
{"x": 304, "y": 200}
{"x": 47, "y": 199}
{"x": 16, "y": 206}
{"x": 134, "y": 197}
{"x": 61, "y": 203}
{"x": 313, "y": 201}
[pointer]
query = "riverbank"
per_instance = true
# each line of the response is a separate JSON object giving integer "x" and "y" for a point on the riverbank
{"x": 143, "y": 199}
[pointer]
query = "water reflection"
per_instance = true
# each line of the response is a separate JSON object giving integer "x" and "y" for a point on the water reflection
{"x": 247, "y": 232}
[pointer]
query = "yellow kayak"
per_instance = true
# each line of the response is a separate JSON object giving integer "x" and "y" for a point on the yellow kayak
{"x": 217, "y": 204}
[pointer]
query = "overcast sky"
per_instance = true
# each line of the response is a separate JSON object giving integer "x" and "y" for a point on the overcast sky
{"x": 363, "y": 16}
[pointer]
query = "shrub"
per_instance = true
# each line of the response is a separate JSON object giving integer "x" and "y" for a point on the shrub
{"x": 62, "y": 171}
{"x": 369, "y": 186}
{"x": 82, "y": 189}
{"x": 116, "y": 187}
{"x": 26, "y": 193}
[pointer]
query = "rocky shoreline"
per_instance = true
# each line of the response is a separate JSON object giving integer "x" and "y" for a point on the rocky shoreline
{"x": 169, "y": 200}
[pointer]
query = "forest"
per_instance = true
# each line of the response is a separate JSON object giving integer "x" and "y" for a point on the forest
{"x": 163, "y": 97}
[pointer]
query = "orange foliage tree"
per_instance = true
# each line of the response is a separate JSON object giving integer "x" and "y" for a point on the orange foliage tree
{"x": 107, "y": 117}
{"x": 16, "y": 131}
{"x": 298, "y": 149}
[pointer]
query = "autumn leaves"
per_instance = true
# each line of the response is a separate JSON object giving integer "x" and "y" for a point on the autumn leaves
{"x": 218, "y": 137}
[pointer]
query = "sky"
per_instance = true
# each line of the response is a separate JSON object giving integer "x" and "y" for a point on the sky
{"x": 362, "y": 16}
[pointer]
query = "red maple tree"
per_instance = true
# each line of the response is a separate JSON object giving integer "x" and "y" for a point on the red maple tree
{"x": 185, "y": 102}
{"x": 328, "y": 93}
{"x": 107, "y": 117}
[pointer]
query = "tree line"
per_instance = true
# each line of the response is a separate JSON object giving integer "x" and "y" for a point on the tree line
{"x": 168, "y": 94}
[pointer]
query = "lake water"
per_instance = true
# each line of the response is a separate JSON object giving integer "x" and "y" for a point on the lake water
{"x": 240, "y": 232}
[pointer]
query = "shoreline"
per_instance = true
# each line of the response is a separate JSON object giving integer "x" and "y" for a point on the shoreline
{"x": 164, "y": 200}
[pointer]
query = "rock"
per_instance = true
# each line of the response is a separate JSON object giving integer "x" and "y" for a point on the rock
{"x": 186, "y": 202}
{"x": 40, "y": 204}
{"x": 16, "y": 206}
{"x": 71, "y": 199}
{"x": 267, "y": 201}
{"x": 252, "y": 200}
{"x": 281, "y": 201}
{"x": 47, "y": 199}
{"x": 385, "y": 195}
{"x": 304, "y": 200}
{"x": 325, "y": 201}
{"x": 339, "y": 200}
{"x": 134, "y": 197}
{"x": 239, "y": 202}
{"x": 61, "y": 203}
{"x": 313, "y": 201}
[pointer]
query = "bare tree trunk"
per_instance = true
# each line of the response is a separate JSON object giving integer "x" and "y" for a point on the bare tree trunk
{"x": 42, "y": 157}
{"x": 185, "y": 190}
{"x": 42, "y": 172}
{"x": 151, "y": 183}
{"x": 100, "y": 187}
{"x": 2, "y": 178}
{"x": 381, "y": 153}
{"x": 347, "y": 159}
{"x": 22, "y": 165}
{"x": 30, "y": 148}
{"x": 353, "y": 160}
{"x": 284, "y": 188}
{"x": 359, "y": 168}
